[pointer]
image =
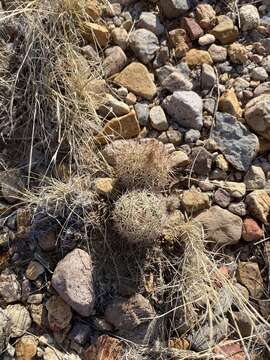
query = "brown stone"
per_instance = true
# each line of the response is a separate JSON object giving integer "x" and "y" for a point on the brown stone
{"x": 249, "y": 275}
{"x": 238, "y": 53}
{"x": 47, "y": 241}
{"x": 34, "y": 270}
{"x": 230, "y": 350}
{"x": 92, "y": 9}
{"x": 192, "y": 27}
{"x": 196, "y": 57}
{"x": 136, "y": 78}
{"x": 26, "y": 348}
{"x": 39, "y": 314}
{"x": 258, "y": 203}
{"x": 125, "y": 127}
{"x": 115, "y": 61}
{"x": 105, "y": 348}
{"x": 225, "y": 32}
{"x": 95, "y": 33}
{"x": 251, "y": 230}
{"x": 206, "y": 16}
{"x": 194, "y": 201}
{"x": 229, "y": 103}
{"x": 59, "y": 313}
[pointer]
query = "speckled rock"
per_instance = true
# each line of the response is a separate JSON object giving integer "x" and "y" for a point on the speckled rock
{"x": 144, "y": 44}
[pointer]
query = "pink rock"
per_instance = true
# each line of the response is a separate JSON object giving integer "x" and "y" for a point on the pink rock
{"x": 231, "y": 350}
{"x": 251, "y": 230}
{"x": 193, "y": 28}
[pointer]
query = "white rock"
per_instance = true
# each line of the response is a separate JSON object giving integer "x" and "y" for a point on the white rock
{"x": 249, "y": 17}
{"x": 158, "y": 118}
{"x": 207, "y": 39}
{"x": 144, "y": 44}
{"x": 151, "y": 22}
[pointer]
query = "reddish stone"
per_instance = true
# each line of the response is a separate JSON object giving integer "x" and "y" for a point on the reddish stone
{"x": 105, "y": 348}
{"x": 251, "y": 230}
{"x": 231, "y": 350}
{"x": 193, "y": 28}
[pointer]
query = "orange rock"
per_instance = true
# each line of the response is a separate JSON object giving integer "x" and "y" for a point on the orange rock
{"x": 105, "y": 348}
{"x": 196, "y": 57}
{"x": 95, "y": 33}
{"x": 229, "y": 103}
{"x": 251, "y": 230}
{"x": 179, "y": 343}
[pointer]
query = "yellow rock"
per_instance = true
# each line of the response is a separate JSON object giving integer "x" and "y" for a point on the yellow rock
{"x": 196, "y": 57}
{"x": 26, "y": 348}
{"x": 104, "y": 186}
{"x": 95, "y": 33}
{"x": 34, "y": 270}
{"x": 229, "y": 103}
{"x": 136, "y": 78}
{"x": 225, "y": 31}
{"x": 93, "y": 9}
{"x": 124, "y": 127}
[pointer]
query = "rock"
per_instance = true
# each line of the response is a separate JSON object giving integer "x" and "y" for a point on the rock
{"x": 221, "y": 163}
{"x": 225, "y": 32}
{"x": 238, "y": 53}
{"x": 229, "y": 103}
{"x": 258, "y": 204}
{"x": 208, "y": 77}
{"x": 178, "y": 39}
{"x": 47, "y": 240}
{"x": 251, "y": 230}
{"x": 185, "y": 107}
{"x": 204, "y": 338}
{"x": 192, "y": 27}
{"x": 238, "y": 208}
{"x": 35, "y": 299}
{"x": 207, "y": 39}
{"x": 72, "y": 279}
{"x": 201, "y": 161}
{"x": 5, "y": 329}
{"x": 34, "y": 270}
{"x": 115, "y": 61}
{"x": 218, "y": 53}
{"x": 104, "y": 186}
{"x": 125, "y": 127}
{"x": 10, "y": 288}
{"x": 259, "y": 74}
{"x": 230, "y": 349}
{"x": 236, "y": 142}
{"x": 163, "y": 72}
{"x": 194, "y": 201}
{"x": 26, "y": 348}
{"x": 191, "y": 136}
{"x": 158, "y": 118}
{"x": 249, "y": 17}
{"x": 236, "y": 189}
{"x": 144, "y": 44}
{"x": 222, "y": 198}
{"x": 51, "y": 353}
{"x": 11, "y": 185}
{"x": 177, "y": 82}
{"x": 151, "y": 22}
{"x": 20, "y": 319}
{"x": 179, "y": 159}
{"x": 142, "y": 112}
{"x": 196, "y": 57}
{"x": 129, "y": 313}
{"x": 175, "y": 8}
{"x": 120, "y": 37}
{"x": 249, "y": 275}
{"x": 39, "y": 314}
{"x": 80, "y": 333}
{"x": 136, "y": 78}
{"x": 105, "y": 348}
{"x": 206, "y": 16}
{"x": 113, "y": 106}
{"x": 255, "y": 178}
{"x": 95, "y": 33}
{"x": 221, "y": 226}
{"x": 257, "y": 115}
{"x": 59, "y": 313}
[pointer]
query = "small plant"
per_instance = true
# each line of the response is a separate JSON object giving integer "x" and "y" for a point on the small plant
{"x": 143, "y": 165}
{"x": 140, "y": 216}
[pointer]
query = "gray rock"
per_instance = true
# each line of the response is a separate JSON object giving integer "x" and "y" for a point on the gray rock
{"x": 249, "y": 17}
{"x": 239, "y": 208}
{"x": 120, "y": 37}
{"x": 72, "y": 279}
{"x": 144, "y": 44}
{"x": 259, "y": 74}
{"x": 5, "y": 329}
{"x": 222, "y": 198}
{"x": 158, "y": 118}
{"x": 10, "y": 288}
{"x": 80, "y": 333}
{"x": 208, "y": 77}
{"x": 266, "y": 63}
{"x": 115, "y": 61}
{"x": 166, "y": 70}
{"x": 218, "y": 53}
{"x": 185, "y": 107}
{"x": 261, "y": 89}
{"x": 176, "y": 82}
{"x": 151, "y": 22}
{"x": 142, "y": 112}
{"x": 175, "y": 8}
{"x": 236, "y": 142}
{"x": 221, "y": 226}
{"x": 255, "y": 178}
{"x": 129, "y": 313}
{"x": 191, "y": 136}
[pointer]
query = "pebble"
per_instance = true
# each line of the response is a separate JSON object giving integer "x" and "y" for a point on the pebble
{"x": 175, "y": 8}
{"x": 179, "y": 159}
{"x": 177, "y": 82}
{"x": 207, "y": 39}
{"x": 256, "y": 115}
{"x": 218, "y": 53}
{"x": 206, "y": 16}
{"x": 194, "y": 201}
{"x": 10, "y": 288}
{"x": 201, "y": 161}
{"x": 115, "y": 61}
{"x": 196, "y": 57}
{"x": 144, "y": 44}
{"x": 238, "y": 208}
{"x": 255, "y": 178}
{"x": 251, "y": 230}
{"x": 72, "y": 279}
{"x": 222, "y": 198}
{"x": 142, "y": 112}
{"x": 259, "y": 74}
{"x": 191, "y": 136}
{"x": 208, "y": 77}
{"x": 59, "y": 313}
{"x": 5, "y": 329}
{"x": 158, "y": 118}
{"x": 249, "y": 17}
{"x": 229, "y": 103}
{"x": 151, "y": 22}
{"x": 185, "y": 107}
{"x": 26, "y": 348}
{"x": 34, "y": 270}
{"x": 20, "y": 319}
{"x": 258, "y": 204}
{"x": 238, "y": 53}
{"x": 226, "y": 32}
{"x": 120, "y": 37}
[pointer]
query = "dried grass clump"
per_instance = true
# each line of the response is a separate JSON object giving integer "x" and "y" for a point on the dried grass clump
{"x": 139, "y": 216}
{"x": 143, "y": 165}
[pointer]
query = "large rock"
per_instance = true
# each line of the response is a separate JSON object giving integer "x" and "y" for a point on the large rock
{"x": 175, "y": 8}
{"x": 144, "y": 44}
{"x": 221, "y": 226}
{"x": 257, "y": 115}
{"x": 5, "y": 329}
{"x": 185, "y": 107}
{"x": 72, "y": 279}
{"x": 237, "y": 143}
{"x": 136, "y": 78}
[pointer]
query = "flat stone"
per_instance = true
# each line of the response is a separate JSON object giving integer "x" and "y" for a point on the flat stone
{"x": 257, "y": 115}
{"x": 258, "y": 204}
{"x": 158, "y": 118}
{"x": 59, "y": 313}
{"x": 237, "y": 190}
{"x": 185, "y": 107}
{"x": 125, "y": 127}
{"x": 136, "y": 78}
{"x": 249, "y": 275}
{"x": 255, "y": 178}
{"x": 251, "y": 230}
{"x": 72, "y": 279}
{"x": 113, "y": 107}
{"x": 221, "y": 226}
{"x": 196, "y": 57}
{"x": 229, "y": 103}
{"x": 177, "y": 82}
{"x": 236, "y": 142}
{"x": 192, "y": 27}
{"x": 20, "y": 319}
{"x": 144, "y": 44}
